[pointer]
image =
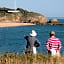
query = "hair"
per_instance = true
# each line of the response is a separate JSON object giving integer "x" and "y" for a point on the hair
{"x": 52, "y": 34}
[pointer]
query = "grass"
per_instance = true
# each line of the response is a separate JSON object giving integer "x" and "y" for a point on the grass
{"x": 12, "y": 58}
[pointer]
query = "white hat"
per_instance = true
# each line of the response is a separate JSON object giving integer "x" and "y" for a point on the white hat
{"x": 33, "y": 33}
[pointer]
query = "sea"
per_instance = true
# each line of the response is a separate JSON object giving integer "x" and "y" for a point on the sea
{"x": 12, "y": 38}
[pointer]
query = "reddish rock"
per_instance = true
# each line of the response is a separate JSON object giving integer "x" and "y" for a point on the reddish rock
{"x": 54, "y": 20}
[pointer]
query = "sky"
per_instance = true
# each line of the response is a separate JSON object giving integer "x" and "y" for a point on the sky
{"x": 48, "y": 8}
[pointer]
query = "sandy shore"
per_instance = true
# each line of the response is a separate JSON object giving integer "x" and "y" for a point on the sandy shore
{"x": 14, "y": 24}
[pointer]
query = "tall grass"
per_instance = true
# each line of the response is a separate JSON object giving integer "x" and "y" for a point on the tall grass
{"x": 12, "y": 58}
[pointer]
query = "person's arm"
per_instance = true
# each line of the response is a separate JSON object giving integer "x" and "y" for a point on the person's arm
{"x": 59, "y": 45}
{"x": 48, "y": 45}
{"x": 37, "y": 43}
{"x": 25, "y": 37}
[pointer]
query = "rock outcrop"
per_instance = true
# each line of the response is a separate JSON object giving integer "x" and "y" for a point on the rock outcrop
{"x": 54, "y": 21}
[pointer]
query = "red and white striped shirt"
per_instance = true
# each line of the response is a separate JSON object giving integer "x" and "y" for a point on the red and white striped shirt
{"x": 53, "y": 43}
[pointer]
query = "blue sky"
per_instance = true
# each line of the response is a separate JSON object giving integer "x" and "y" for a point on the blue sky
{"x": 48, "y": 8}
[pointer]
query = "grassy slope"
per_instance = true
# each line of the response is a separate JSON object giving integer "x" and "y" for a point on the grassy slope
{"x": 12, "y": 58}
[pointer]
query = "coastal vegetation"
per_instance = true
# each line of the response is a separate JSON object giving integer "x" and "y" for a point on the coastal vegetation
{"x": 15, "y": 58}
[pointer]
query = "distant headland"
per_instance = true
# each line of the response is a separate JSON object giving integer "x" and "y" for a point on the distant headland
{"x": 24, "y": 16}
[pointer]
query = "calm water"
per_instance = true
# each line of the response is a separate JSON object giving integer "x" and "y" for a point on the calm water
{"x": 12, "y": 38}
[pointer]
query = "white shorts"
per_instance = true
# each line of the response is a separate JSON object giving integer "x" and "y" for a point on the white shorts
{"x": 34, "y": 50}
{"x": 55, "y": 53}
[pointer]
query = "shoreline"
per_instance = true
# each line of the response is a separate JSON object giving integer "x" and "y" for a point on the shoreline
{"x": 15, "y": 24}
{"x": 22, "y": 24}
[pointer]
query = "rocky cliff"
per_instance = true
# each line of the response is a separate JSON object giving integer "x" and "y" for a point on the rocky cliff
{"x": 23, "y": 16}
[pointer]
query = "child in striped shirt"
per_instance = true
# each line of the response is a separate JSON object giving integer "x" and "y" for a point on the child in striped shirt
{"x": 53, "y": 44}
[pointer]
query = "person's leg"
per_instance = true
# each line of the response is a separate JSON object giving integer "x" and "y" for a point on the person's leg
{"x": 57, "y": 53}
{"x": 49, "y": 52}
